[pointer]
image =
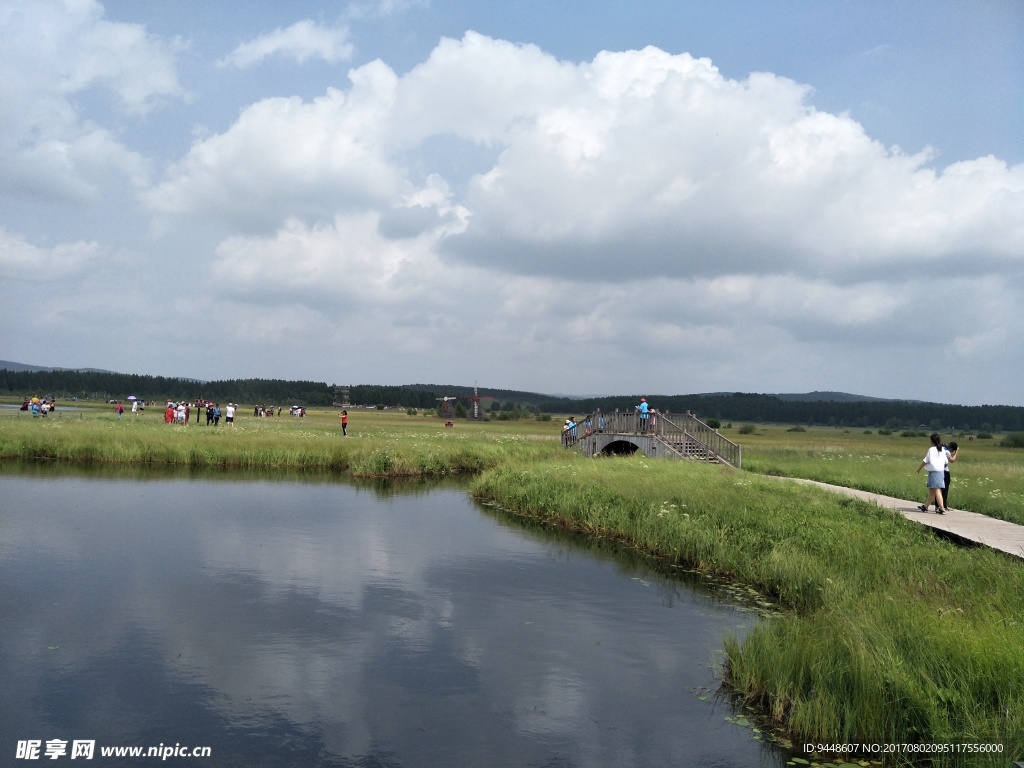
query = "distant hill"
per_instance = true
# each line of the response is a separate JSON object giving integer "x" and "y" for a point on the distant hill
{"x": 834, "y": 397}
{"x": 831, "y": 408}
{"x": 519, "y": 397}
{"x": 10, "y": 365}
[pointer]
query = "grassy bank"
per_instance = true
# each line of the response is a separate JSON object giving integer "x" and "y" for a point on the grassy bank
{"x": 892, "y": 636}
{"x": 380, "y": 445}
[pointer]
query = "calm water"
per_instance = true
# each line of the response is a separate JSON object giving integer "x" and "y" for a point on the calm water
{"x": 305, "y": 623}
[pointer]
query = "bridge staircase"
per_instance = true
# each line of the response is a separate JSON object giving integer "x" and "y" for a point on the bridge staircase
{"x": 681, "y": 436}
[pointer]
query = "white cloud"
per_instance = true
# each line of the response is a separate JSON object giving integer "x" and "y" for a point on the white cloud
{"x": 639, "y": 203}
{"x": 302, "y": 41}
{"x": 346, "y": 263}
{"x": 631, "y": 215}
{"x": 661, "y": 158}
{"x": 22, "y": 260}
{"x": 644, "y": 153}
{"x": 62, "y": 47}
{"x": 285, "y": 157}
{"x": 55, "y": 56}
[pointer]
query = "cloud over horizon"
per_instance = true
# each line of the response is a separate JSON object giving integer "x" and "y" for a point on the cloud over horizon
{"x": 533, "y": 209}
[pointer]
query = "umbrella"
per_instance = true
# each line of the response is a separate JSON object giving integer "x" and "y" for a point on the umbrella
{"x": 132, "y": 397}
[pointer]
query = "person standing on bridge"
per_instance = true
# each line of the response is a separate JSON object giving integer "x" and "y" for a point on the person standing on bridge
{"x": 643, "y": 411}
{"x": 935, "y": 461}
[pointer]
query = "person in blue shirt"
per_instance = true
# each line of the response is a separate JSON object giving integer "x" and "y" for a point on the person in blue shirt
{"x": 644, "y": 412}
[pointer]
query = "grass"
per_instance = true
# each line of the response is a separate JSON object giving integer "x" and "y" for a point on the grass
{"x": 388, "y": 444}
{"x": 886, "y": 634}
{"x": 889, "y": 635}
{"x": 987, "y": 478}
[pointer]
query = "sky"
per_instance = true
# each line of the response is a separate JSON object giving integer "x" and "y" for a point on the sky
{"x": 567, "y": 197}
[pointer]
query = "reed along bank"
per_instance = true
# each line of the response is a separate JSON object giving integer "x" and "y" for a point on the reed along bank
{"x": 888, "y": 635}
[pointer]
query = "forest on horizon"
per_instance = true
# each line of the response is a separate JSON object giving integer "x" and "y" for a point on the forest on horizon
{"x": 744, "y": 407}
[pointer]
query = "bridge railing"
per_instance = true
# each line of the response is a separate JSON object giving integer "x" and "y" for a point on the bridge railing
{"x": 713, "y": 441}
{"x": 680, "y": 430}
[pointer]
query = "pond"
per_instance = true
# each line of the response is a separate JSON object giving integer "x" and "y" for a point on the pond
{"x": 322, "y": 623}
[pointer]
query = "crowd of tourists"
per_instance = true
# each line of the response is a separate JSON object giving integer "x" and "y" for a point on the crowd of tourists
{"x": 646, "y": 421}
{"x": 38, "y": 406}
{"x": 180, "y": 413}
{"x": 265, "y": 411}
{"x": 573, "y": 430}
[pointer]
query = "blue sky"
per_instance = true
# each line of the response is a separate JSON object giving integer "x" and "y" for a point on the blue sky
{"x": 574, "y": 197}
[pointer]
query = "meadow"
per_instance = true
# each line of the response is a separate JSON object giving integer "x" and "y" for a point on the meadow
{"x": 878, "y": 631}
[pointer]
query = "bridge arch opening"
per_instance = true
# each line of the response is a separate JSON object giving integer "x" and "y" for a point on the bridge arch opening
{"x": 620, "y": 448}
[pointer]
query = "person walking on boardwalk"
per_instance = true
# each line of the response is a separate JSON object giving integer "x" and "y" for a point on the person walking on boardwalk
{"x": 935, "y": 462}
{"x": 643, "y": 411}
{"x": 951, "y": 451}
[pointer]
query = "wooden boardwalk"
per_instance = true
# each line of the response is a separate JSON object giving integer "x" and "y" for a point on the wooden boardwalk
{"x": 968, "y": 526}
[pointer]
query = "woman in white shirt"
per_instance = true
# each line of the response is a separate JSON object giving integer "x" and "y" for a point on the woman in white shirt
{"x": 935, "y": 462}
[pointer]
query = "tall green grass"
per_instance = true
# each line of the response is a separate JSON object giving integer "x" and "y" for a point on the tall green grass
{"x": 387, "y": 450}
{"x": 892, "y": 636}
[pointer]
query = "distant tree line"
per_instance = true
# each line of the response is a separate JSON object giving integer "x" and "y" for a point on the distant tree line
{"x": 65, "y": 384}
{"x": 97, "y": 385}
{"x": 369, "y": 394}
{"x": 896, "y": 414}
